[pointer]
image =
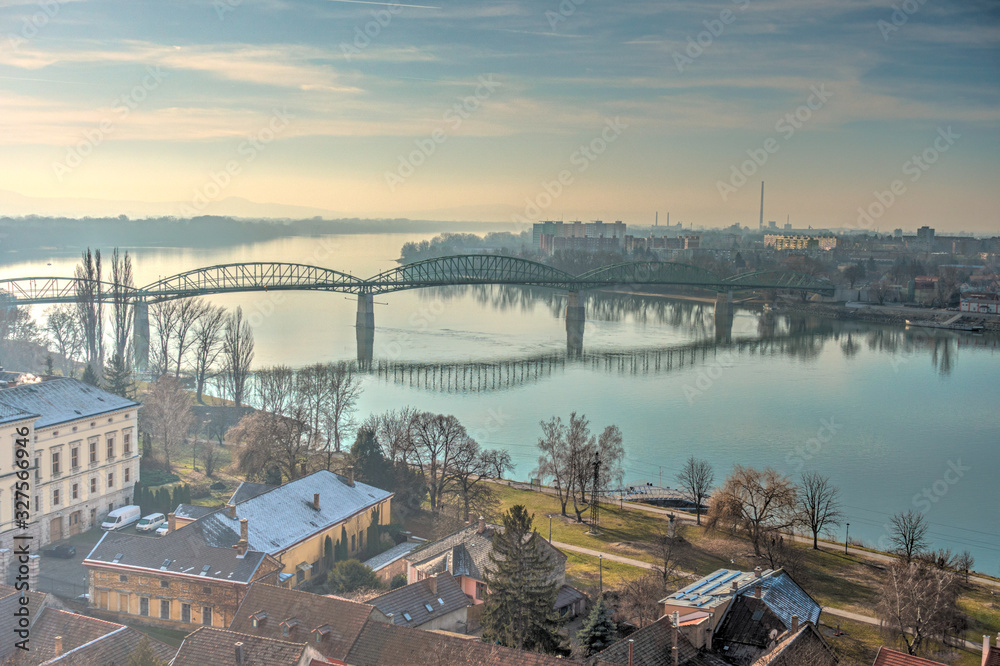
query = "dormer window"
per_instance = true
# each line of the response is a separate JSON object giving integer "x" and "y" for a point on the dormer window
{"x": 258, "y": 618}
{"x": 319, "y": 632}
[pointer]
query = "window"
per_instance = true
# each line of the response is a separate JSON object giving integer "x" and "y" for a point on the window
{"x": 206, "y": 590}
{"x": 480, "y": 590}
{"x": 300, "y": 576}
{"x": 126, "y": 443}
{"x": 38, "y": 469}
{"x": 111, "y": 447}
{"x": 165, "y": 609}
{"x": 55, "y": 497}
{"x": 111, "y": 479}
{"x": 55, "y": 463}
{"x": 93, "y": 451}
{"x": 127, "y": 474}
{"x": 144, "y": 606}
{"x": 164, "y": 583}
{"x": 93, "y": 485}
{"x": 186, "y": 613}
{"x": 122, "y": 578}
{"x": 206, "y": 616}
{"x": 74, "y": 457}
{"x": 76, "y": 491}
{"x": 352, "y": 543}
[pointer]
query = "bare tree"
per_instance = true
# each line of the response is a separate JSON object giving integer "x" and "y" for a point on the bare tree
{"x": 583, "y": 454}
{"x": 266, "y": 439}
{"x": 237, "y": 352}
{"x": 122, "y": 303}
{"x": 19, "y": 336}
{"x": 392, "y": 429}
{"x": 434, "y": 441}
{"x": 208, "y": 332}
{"x": 964, "y": 563}
{"x": 918, "y": 602}
{"x": 611, "y": 452}
{"x": 498, "y": 462}
{"x": 908, "y": 534}
{"x": 167, "y": 414}
{"x": 639, "y": 599}
{"x": 470, "y": 466}
{"x": 696, "y": 478}
{"x": 755, "y": 502}
{"x": 90, "y": 305}
{"x": 63, "y": 327}
{"x": 664, "y": 549}
{"x": 163, "y": 316}
{"x": 274, "y": 388}
{"x": 555, "y": 460}
{"x": 189, "y": 311}
{"x": 342, "y": 388}
{"x": 818, "y": 504}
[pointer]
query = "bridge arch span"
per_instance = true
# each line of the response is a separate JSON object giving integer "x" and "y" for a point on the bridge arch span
{"x": 255, "y": 276}
{"x": 649, "y": 273}
{"x": 779, "y": 280}
{"x": 468, "y": 269}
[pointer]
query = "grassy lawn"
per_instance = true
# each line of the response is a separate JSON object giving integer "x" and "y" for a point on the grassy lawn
{"x": 584, "y": 573}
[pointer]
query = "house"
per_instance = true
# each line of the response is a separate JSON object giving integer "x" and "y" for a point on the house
{"x": 381, "y": 644}
{"x": 297, "y": 522}
{"x": 71, "y": 639}
{"x": 188, "y": 513}
{"x": 219, "y": 647}
{"x": 465, "y": 554}
{"x": 78, "y": 442}
{"x": 991, "y": 653}
{"x": 186, "y": 578}
{"x": 654, "y": 645}
{"x": 888, "y": 657}
{"x": 328, "y": 624}
{"x": 390, "y": 563}
{"x": 803, "y": 644}
{"x": 436, "y": 602}
{"x": 10, "y": 606}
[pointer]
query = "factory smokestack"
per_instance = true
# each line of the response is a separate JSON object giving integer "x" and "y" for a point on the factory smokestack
{"x": 761, "y": 205}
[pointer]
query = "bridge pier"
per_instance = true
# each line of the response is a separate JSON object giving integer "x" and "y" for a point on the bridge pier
{"x": 576, "y": 317}
{"x": 140, "y": 335}
{"x": 365, "y": 329}
{"x": 724, "y": 317}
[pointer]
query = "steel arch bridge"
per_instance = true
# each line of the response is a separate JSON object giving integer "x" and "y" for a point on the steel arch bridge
{"x": 474, "y": 269}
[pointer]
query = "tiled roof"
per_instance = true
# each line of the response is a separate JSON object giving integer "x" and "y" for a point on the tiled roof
{"x": 217, "y": 647}
{"x": 11, "y": 414}
{"x": 568, "y": 595}
{"x": 805, "y": 646}
{"x": 388, "y": 557}
{"x": 282, "y": 516}
{"x": 746, "y": 630}
{"x": 413, "y": 600}
{"x": 888, "y": 657}
{"x": 10, "y": 601}
{"x": 111, "y": 649}
{"x": 75, "y": 629}
{"x": 391, "y": 645}
{"x": 652, "y": 646}
{"x": 192, "y": 511}
{"x": 344, "y": 619}
{"x": 247, "y": 490}
{"x": 60, "y": 400}
{"x": 184, "y": 550}
{"x": 784, "y": 596}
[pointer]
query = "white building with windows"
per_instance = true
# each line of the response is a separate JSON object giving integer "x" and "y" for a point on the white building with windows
{"x": 83, "y": 453}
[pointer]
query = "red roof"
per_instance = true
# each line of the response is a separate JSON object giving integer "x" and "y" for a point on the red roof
{"x": 887, "y": 657}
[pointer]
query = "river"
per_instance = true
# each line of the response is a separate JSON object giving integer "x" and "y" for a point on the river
{"x": 897, "y": 419}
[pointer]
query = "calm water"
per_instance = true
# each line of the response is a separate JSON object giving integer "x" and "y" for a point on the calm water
{"x": 898, "y": 419}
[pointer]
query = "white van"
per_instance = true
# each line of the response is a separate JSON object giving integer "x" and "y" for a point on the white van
{"x": 150, "y": 522}
{"x": 122, "y": 517}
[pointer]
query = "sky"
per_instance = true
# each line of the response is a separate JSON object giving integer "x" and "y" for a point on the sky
{"x": 866, "y": 114}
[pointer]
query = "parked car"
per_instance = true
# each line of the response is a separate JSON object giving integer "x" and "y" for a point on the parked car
{"x": 121, "y": 517}
{"x": 150, "y": 522}
{"x": 63, "y": 551}
{"x": 162, "y": 529}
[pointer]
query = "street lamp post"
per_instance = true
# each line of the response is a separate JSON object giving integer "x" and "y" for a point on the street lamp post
{"x": 550, "y": 528}
{"x": 601, "y": 565}
{"x": 847, "y": 538}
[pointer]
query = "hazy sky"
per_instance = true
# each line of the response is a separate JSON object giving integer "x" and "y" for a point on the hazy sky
{"x": 476, "y": 110}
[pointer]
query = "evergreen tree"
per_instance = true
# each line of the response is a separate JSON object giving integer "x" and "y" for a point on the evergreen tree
{"x": 343, "y": 543}
{"x": 137, "y": 494}
{"x": 118, "y": 377}
{"x": 144, "y": 655}
{"x": 374, "y": 534}
{"x": 598, "y": 631}
{"x": 518, "y": 611}
{"x": 370, "y": 466}
{"x": 328, "y": 554}
{"x": 90, "y": 377}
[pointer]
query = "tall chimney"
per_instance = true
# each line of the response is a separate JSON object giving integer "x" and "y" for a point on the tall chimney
{"x": 630, "y": 644}
{"x": 240, "y": 657}
{"x": 350, "y": 475}
{"x": 795, "y": 623}
{"x": 675, "y": 622}
{"x": 758, "y": 572}
{"x": 244, "y": 530}
{"x": 758, "y": 591}
{"x": 316, "y": 501}
{"x": 171, "y": 522}
{"x": 762, "y": 205}
{"x": 58, "y": 647}
{"x": 432, "y": 582}
{"x": 482, "y": 525}
{"x": 231, "y": 510}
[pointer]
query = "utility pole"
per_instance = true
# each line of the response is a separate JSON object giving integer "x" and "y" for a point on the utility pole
{"x": 601, "y": 565}
{"x": 595, "y": 509}
{"x": 847, "y": 538}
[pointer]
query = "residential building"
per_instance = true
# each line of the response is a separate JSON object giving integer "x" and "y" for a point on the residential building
{"x": 81, "y": 445}
{"x": 888, "y": 657}
{"x": 386, "y": 565}
{"x": 328, "y": 624}
{"x": 186, "y": 578}
{"x": 70, "y": 639}
{"x": 981, "y": 303}
{"x": 185, "y": 514}
{"x": 550, "y": 236}
{"x": 465, "y": 555}
{"x": 436, "y": 602}
{"x": 654, "y": 645}
{"x": 219, "y": 647}
{"x": 800, "y": 242}
{"x": 294, "y": 522}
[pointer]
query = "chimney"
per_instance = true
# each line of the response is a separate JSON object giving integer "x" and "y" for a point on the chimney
{"x": 795, "y": 623}
{"x": 758, "y": 572}
{"x": 244, "y": 530}
{"x": 171, "y": 522}
{"x": 482, "y": 525}
{"x": 758, "y": 591}
{"x": 675, "y": 623}
{"x": 240, "y": 656}
{"x": 350, "y": 475}
{"x": 231, "y": 510}
{"x": 242, "y": 545}
{"x": 432, "y": 582}
{"x": 59, "y": 646}
{"x": 986, "y": 647}
{"x": 734, "y": 586}
{"x": 630, "y": 644}
{"x": 316, "y": 501}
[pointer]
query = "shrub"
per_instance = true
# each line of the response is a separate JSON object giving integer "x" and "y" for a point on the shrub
{"x": 399, "y": 580}
{"x": 200, "y": 491}
{"x": 157, "y": 477}
{"x": 350, "y": 575}
{"x": 218, "y": 485}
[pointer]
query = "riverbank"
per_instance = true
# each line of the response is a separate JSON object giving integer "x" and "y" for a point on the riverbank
{"x": 885, "y": 314}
